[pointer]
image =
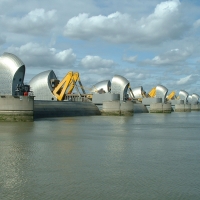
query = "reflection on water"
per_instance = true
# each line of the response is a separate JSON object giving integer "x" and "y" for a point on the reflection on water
{"x": 147, "y": 156}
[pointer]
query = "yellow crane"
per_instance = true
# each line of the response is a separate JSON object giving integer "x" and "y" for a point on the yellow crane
{"x": 67, "y": 85}
{"x": 171, "y": 95}
{"x": 152, "y": 93}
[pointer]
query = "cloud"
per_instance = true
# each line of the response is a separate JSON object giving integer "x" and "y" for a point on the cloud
{"x": 96, "y": 62}
{"x": 66, "y": 56}
{"x": 36, "y": 55}
{"x": 197, "y": 23}
{"x": 191, "y": 79}
{"x": 36, "y": 22}
{"x": 131, "y": 59}
{"x": 135, "y": 75}
{"x": 97, "y": 66}
{"x": 163, "y": 24}
{"x": 124, "y": 35}
{"x": 171, "y": 57}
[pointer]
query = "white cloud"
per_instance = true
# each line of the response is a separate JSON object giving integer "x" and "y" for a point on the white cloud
{"x": 36, "y": 22}
{"x": 165, "y": 23}
{"x": 171, "y": 57}
{"x": 164, "y": 31}
{"x": 140, "y": 76}
{"x": 130, "y": 59}
{"x": 65, "y": 56}
{"x": 132, "y": 76}
{"x": 96, "y": 62}
{"x": 191, "y": 79}
{"x": 36, "y": 55}
{"x": 197, "y": 23}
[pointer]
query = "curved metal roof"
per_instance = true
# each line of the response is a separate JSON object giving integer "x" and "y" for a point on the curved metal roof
{"x": 183, "y": 95}
{"x": 138, "y": 91}
{"x": 12, "y": 71}
{"x": 195, "y": 98}
{"x": 102, "y": 85}
{"x": 41, "y": 85}
{"x": 119, "y": 85}
{"x": 194, "y": 95}
{"x": 161, "y": 91}
{"x": 189, "y": 98}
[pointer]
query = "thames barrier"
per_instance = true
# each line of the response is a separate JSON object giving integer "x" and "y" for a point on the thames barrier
{"x": 46, "y": 96}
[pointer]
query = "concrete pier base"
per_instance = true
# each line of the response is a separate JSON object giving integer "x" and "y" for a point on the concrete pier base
{"x": 187, "y": 107}
{"x": 160, "y": 108}
{"x": 167, "y": 108}
{"x": 126, "y": 108}
{"x": 179, "y": 108}
{"x": 117, "y": 108}
{"x": 140, "y": 108}
{"x": 195, "y": 107}
{"x": 156, "y": 108}
{"x": 111, "y": 108}
{"x": 18, "y": 108}
{"x": 182, "y": 108}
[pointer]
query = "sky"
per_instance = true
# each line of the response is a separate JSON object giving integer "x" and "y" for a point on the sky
{"x": 147, "y": 42}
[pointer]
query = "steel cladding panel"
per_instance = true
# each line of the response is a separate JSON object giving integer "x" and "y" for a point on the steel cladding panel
{"x": 137, "y": 92}
{"x": 161, "y": 92}
{"x": 12, "y": 71}
{"x": 119, "y": 85}
{"x": 41, "y": 86}
{"x": 195, "y": 98}
{"x": 189, "y": 98}
{"x": 105, "y": 85}
{"x": 183, "y": 95}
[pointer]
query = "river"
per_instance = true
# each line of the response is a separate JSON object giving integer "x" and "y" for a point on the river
{"x": 145, "y": 156}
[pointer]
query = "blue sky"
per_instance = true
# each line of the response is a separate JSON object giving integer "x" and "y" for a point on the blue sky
{"x": 148, "y": 42}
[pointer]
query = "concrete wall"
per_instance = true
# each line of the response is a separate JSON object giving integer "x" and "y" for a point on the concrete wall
{"x": 195, "y": 107}
{"x": 64, "y": 109}
{"x": 160, "y": 108}
{"x": 117, "y": 108}
{"x": 140, "y": 108}
{"x": 100, "y": 98}
{"x": 126, "y": 108}
{"x": 16, "y": 108}
{"x": 187, "y": 107}
{"x": 182, "y": 108}
{"x": 176, "y": 101}
{"x": 148, "y": 101}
